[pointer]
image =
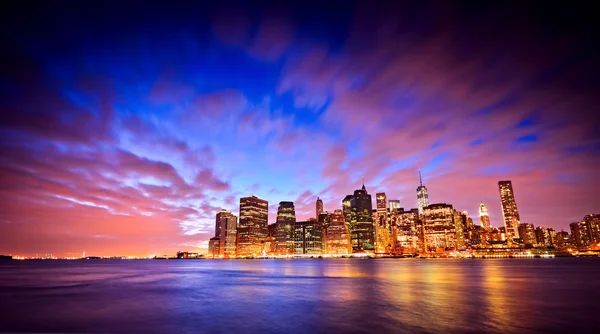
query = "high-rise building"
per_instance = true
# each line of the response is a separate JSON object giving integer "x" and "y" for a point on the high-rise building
{"x": 542, "y": 236}
{"x": 308, "y": 237}
{"x": 509, "y": 210}
{"x": 382, "y": 228}
{"x": 407, "y": 237}
{"x": 394, "y": 204}
{"x": 438, "y": 226}
{"x": 484, "y": 217}
{"x": 527, "y": 233}
{"x": 586, "y": 232}
{"x": 252, "y": 230}
{"x": 460, "y": 226}
{"x": 361, "y": 221}
{"x": 213, "y": 247}
{"x": 337, "y": 235}
{"x": 422, "y": 196}
{"x": 227, "y": 224}
{"x": 286, "y": 217}
{"x": 319, "y": 207}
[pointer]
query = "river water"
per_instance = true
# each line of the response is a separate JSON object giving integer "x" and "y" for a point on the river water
{"x": 301, "y": 296}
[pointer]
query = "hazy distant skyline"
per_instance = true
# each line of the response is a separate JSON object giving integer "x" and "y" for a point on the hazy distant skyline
{"x": 126, "y": 126}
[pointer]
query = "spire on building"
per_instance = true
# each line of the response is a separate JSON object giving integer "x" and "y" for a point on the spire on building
{"x": 420, "y": 178}
{"x": 363, "y": 187}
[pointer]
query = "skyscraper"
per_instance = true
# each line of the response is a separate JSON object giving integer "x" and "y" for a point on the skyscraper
{"x": 337, "y": 235}
{"x": 227, "y": 223}
{"x": 319, "y": 207}
{"x": 382, "y": 228}
{"x": 252, "y": 231}
{"x": 286, "y": 217}
{"x": 308, "y": 237}
{"x": 422, "y": 196}
{"x": 527, "y": 233}
{"x": 509, "y": 210}
{"x": 484, "y": 217}
{"x": 439, "y": 226}
{"x": 362, "y": 231}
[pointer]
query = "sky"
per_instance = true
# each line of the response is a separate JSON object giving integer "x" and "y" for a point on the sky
{"x": 126, "y": 126}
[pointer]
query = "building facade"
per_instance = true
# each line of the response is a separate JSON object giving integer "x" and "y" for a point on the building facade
{"x": 484, "y": 217}
{"x": 439, "y": 227}
{"x": 382, "y": 227}
{"x": 337, "y": 235}
{"x": 227, "y": 223}
{"x": 308, "y": 237}
{"x": 510, "y": 214}
{"x": 360, "y": 220}
{"x": 527, "y": 233}
{"x": 252, "y": 230}
{"x": 286, "y": 217}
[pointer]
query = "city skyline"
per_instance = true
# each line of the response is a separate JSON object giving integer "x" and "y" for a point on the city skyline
{"x": 129, "y": 132}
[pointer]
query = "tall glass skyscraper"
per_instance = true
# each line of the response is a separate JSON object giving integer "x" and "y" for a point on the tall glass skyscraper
{"x": 286, "y": 217}
{"x": 422, "y": 196}
{"x": 227, "y": 223}
{"x": 253, "y": 230}
{"x": 510, "y": 214}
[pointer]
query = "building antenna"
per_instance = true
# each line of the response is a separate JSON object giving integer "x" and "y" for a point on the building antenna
{"x": 420, "y": 178}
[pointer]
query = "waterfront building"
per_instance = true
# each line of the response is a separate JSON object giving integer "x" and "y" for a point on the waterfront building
{"x": 252, "y": 230}
{"x": 337, "y": 235}
{"x": 439, "y": 227}
{"x": 422, "y": 195}
{"x": 271, "y": 241}
{"x": 484, "y": 217}
{"x": 382, "y": 227}
{"x": 308, "y": 237}
{"x": 407, "y": 237}
{"x": 227, "y": 223}
{"x": 542, "y": 236}
{"x": 460, "y": 226}
{"x": 213, "y": 247}
{"x": 510, "y": 214}
{"x": 586, "y": 232}
{"x": 286, "y": 217}
{"x": 360, "y": 220}
{"x": 527, "y": 233}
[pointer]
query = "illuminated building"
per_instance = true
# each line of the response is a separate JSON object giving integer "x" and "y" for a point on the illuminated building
{"x": 271, "y": 241}
{"x": 286, "y": 217}
{"x": 382, "y": 228}
{"x": 308, "y": 237}
{"x": 252, "y": 230}
{"x": 213, "y": 247}
{"x": 484, "y": 217}
{"x": 394, "y": 204}
{"x": 319, "y": 207}
{"x": 337, "y": 235}
{"x": 510, "y": 213}
{"x": 460, "y": 226}
{"x": 527, "y": 233}
{"x": 587, "y": 231}
{"x": 406, "y": 230}
{"x": 439, "y": 227}
{"x": 422, "y": 196}
{"x": 227, "y": 224}
{"x": 358, "y": 216}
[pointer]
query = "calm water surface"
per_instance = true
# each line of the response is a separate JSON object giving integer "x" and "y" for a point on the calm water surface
{"x": 301, "y": 296}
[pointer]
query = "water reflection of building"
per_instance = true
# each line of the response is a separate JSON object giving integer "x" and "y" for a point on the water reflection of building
{"x": 252, "y": 230}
